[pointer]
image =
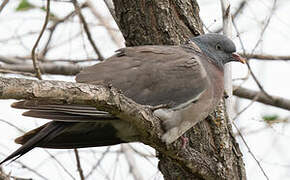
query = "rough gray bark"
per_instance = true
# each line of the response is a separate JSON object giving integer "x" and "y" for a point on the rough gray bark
{"x": 213, "y": 152}
{"x": 157, "y": 21}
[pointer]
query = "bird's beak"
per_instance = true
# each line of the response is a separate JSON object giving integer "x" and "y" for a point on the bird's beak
{"x": 237, "y": 57}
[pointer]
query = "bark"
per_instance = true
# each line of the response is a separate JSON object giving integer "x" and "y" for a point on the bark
{"x": 213, "y": 152}
{"x": 157, "y": 21}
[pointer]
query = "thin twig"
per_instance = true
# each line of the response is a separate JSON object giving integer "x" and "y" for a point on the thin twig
{"x": 33, "y": 53}
{"x": 128, "y": 152}
{"x": 23, "y": 60}
{"x": 87, "y": 30}
{"x": 59, "y": 163}
{"x": 52, "y": 29}
{"x": 257, "y": 81}
{"x": 248, "y": 65}
{"x": 27, "y": 167}
{"x": 12, "y": 125}
{"x": 110, "y": 6}
{"x": 266, "y": 57}
{"x": 48, "y": 68}
{"x": 258, "y": 42}
{"x": 4, "y": 3}
{"x": 7, "y": 71}
{"x": 80, "y": 170}
{"x": 265, "y": 26}
{"x": 235, "y": 15}
{"x": 249, "y": 150}
{"x": 98, "y": 163}
{"x": 247, "y": 107}
{"x": 105, "y": 24}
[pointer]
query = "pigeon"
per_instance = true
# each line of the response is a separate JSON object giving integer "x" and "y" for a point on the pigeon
{"x": 188, "y": 78}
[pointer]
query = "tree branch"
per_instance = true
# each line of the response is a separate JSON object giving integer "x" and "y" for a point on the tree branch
{"x": 133, "y": 168}
{"x": 266, "y": 57}
{"x": 33, "y": 53}
{"x": 87, "y": 30}
{"x": 3, "y": 4}
{"x": 80, "y": 170}
{"x": 46, "y": 68}
{"x": 262, "y": 98}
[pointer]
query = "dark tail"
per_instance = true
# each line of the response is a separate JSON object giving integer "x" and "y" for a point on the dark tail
{"x": 45, "y": 134}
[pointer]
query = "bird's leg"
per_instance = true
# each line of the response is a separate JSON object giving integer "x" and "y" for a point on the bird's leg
{"x": 184, "y": 141}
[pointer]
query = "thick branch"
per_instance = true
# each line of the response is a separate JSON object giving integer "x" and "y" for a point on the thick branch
{"x": 108, "y": 99}
{"x": 261, "y": 97}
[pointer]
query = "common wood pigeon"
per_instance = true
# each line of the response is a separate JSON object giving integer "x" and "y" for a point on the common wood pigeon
{"x": 187, "y": 77}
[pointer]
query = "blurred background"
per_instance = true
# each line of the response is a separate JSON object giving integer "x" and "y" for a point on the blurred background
{"x": 261, "y": 32}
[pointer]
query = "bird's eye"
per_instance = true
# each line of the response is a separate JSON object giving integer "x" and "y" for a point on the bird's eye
{"x": 218, "y": 47}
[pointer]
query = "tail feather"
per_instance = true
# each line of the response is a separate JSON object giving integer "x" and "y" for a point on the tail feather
{"x": 72, "y": 126}
{"x": 46, "y": 133}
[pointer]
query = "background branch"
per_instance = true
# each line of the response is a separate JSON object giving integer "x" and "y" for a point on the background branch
{"x": 266, "y": 57}
{"x": 33, "y": 53}
{"x": 87, "y": 30}
{"x": 261, "y": 97}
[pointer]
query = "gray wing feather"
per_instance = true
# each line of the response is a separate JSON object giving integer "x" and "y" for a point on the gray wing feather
{"x": 151, "y": 75}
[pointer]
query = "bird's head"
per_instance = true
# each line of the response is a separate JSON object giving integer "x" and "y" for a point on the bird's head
{"x": 218, "y": 47}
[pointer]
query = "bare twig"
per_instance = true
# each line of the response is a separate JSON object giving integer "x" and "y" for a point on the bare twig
{"x": 266, "y": 57}
{"x": 12, "y": 125}
{"x": 110, "y": 6}
{"x": 10, "y": 60}
{"x": 251, "y": 94}
{"x": 59, "y": 163}
{"x": 105, "y": 24}
{"x": 247, "y": 107}
{"x": 257, "y": 81}
{"x": 249, "y": 150}
{"x": 7, "y": 71}
{"x": 27, "y": 167}
{"x": 128, "y": 152}
{"x": 254, "y": 157}
{"x": 48, "y": 68}
{"x": 258, "y": 42}
{"x": 87, "y": 30}
{"x": 53, "y": 27}
{"x": 265, "y": 26}
{"x": 33, "y": 53}
{"x": 236, "y": 14}
{"x": 4, "y": 3}
{"x": 98, "y": 163}
{"x": 23, "y": 60}
{"x": 80, "y": 170}
{"x": 248, "y": 65}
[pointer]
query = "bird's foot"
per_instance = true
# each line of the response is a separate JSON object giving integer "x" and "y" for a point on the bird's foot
{"x": 184, "y": 141}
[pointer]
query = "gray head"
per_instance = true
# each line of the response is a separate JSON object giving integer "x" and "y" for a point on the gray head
{"x": 218, "y": 47}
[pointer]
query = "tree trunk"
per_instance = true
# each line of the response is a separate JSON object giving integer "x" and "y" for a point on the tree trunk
{"x": 213, "y": 150}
